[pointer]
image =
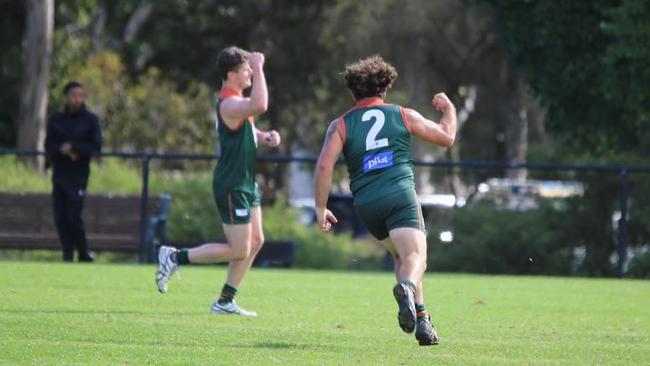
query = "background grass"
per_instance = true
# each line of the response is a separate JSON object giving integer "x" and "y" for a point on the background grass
{"x": 53, "y": 313}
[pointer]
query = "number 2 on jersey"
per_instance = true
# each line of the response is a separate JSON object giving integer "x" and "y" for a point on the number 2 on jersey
{"x": 371, "y": 140}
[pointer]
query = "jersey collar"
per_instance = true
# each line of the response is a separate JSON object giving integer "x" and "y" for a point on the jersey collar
{"x": 227, "y": 91}
{"x": 370, "y": 101}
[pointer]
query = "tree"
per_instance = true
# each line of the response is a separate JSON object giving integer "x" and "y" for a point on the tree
{"x": 34, "y": 94}
{"x": 627, "y": 61}
{"x": 588, "y": 63}
{"x": 12, "y": 26}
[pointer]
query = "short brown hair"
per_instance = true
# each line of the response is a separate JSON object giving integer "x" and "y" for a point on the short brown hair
{"x": 370, "y": 77}
{"x": 229, "y": 59}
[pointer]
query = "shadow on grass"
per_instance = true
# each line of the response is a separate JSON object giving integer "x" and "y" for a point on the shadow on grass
{"x": 286, "y": 345}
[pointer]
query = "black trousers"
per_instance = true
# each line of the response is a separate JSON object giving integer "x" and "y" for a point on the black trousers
{"x": 67, "y": 206}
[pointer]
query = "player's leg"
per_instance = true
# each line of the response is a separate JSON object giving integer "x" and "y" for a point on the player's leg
{"x": 424, "y": 331}
{"x": 407, "y": 233}
{"x": 237, "y": 228}
{"x": 237, "y": 247}
{"x": 234, "y": 208}
{"x": 239, "y": 239}
{"x": 397, "y": 261}
{"x": 410, "y": 245}
{"x": 238, "y": 269}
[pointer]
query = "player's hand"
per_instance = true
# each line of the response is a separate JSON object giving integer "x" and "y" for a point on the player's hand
{"x": 256, "y": 60}
{"x": 272, "y": 138}
{"x": 325, "y": 219}
{"x": 441, "y": 102}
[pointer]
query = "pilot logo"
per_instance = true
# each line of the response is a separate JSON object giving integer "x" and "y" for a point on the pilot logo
{"x": 377, "y": 161}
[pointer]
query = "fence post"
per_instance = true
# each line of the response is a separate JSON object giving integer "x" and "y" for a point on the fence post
{"x": 144, "y": 255}
{"x": 621, "y": 245}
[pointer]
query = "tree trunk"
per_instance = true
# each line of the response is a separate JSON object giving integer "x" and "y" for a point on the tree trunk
{"x": 516, "y": 130}
{"x": 34, "y": 93}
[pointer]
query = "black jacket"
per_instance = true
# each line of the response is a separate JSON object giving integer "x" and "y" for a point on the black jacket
{"x": 81, "y": 130}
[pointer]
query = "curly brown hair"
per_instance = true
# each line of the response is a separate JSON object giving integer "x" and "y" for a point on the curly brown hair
{"x": 370, "y": 77}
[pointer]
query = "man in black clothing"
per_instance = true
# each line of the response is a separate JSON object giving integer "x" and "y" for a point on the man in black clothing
{"x": 73, "y": 137}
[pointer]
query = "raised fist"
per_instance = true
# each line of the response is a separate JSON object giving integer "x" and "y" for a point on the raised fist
{"x": 256, "y": 60}
{"x": 441, "y": 102}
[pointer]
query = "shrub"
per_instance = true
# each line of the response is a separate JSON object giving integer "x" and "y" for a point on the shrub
{"x": 492, "y": 240}
{"x": 639, "y": 266}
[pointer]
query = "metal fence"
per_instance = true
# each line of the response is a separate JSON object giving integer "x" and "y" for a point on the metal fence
{"x": 623, "y": 172}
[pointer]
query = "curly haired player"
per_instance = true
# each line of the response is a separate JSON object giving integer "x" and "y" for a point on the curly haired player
{"x": 375, "y": 139}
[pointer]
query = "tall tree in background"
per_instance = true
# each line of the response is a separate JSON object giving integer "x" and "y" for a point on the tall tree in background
{"x": 588, "y": 61}
{"x": 34, "y": 93}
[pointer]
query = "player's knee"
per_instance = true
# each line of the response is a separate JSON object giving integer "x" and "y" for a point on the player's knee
{"x": 241, "y": 253}
{"x": 258, "y": 239}
{"x": 256, "y": 244}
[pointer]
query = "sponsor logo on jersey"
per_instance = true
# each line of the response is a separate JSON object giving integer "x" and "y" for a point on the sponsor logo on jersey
{"x": 241, "y": 212}
{"x": 377, "y": 161}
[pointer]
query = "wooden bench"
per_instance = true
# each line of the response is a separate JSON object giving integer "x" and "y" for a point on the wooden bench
{"x": 112, "y": 222}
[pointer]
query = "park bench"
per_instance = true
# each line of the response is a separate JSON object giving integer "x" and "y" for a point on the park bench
{"x": 112, "y": 222}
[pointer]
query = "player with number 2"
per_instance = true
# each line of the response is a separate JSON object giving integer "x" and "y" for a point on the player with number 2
{"x": 375, "y": 139}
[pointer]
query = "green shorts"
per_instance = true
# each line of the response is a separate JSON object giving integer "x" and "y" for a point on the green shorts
{"x": 399, "y": 209}
{"x": 235, "y": 206}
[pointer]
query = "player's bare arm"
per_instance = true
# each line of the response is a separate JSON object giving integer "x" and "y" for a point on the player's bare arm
{"x": 332, "y": 148}
{"x": 235, "y": 109}
{"x": 271, "y": 138}
{"x": 443, "y": 133}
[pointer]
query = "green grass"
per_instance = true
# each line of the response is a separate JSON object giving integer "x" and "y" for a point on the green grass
{"x": 105, "y": 314}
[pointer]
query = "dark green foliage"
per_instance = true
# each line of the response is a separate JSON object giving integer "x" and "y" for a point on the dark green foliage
{"x": 588, "y": 61}
{"x": 639, "y": 266}
{"x": 492, "y": 240}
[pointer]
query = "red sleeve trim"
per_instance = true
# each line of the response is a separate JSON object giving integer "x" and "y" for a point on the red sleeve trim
{"x": 405, "y": 118}
{"x": 340, "y": 128}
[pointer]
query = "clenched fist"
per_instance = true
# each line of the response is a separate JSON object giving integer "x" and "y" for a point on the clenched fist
{"x": 441, "y": 102}
{"x": 256, "y": 60}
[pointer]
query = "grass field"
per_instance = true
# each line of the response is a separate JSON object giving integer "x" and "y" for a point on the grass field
{"x": 112, "y": 314}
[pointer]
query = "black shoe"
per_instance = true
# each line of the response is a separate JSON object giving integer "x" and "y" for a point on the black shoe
{"x": 87, "y": 258}
{"x": 425, "y": 334}
{"x": 405, "y": 300}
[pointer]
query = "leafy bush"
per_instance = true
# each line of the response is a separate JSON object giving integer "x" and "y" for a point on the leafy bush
{"x": 193, "y": 215}
{"x": 318, "y": 250}
{"x": 491, "y": 240}
{"x": 147, "y": 113}
{"x": 639, "y": 266}
{"x": 17, "y": 177}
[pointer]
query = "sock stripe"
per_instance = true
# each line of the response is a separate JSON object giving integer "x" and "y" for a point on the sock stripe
{"x": 227, "y": 293}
